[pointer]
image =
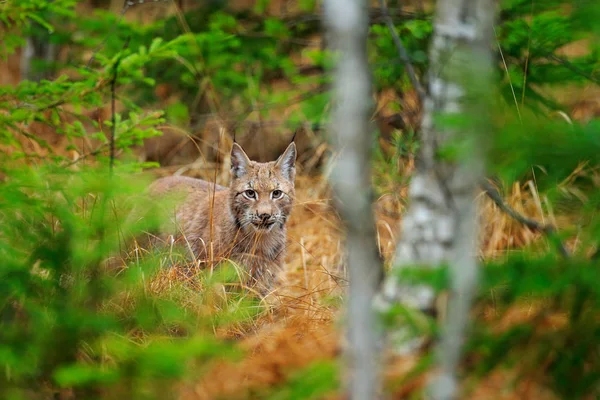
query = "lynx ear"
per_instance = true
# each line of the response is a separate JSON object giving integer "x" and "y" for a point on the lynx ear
{"x": 287, "y": 162}
{"x": 239, "y": 161}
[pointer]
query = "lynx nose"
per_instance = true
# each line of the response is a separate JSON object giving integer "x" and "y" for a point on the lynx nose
{"x": 264, "y": 217}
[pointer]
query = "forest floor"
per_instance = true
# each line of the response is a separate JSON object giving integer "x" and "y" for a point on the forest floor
{"x": 302, "y": 324}
{"x": 303, "y": 318}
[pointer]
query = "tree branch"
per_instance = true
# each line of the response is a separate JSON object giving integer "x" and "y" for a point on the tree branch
{"x": 410, "y": 70}
{"x": 113, "y": 128}
{"x": 548, "y": 230}
{"x": 572, "y": 67}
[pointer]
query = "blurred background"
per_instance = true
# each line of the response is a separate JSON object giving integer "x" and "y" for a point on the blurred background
{"x": 187, "y": 76}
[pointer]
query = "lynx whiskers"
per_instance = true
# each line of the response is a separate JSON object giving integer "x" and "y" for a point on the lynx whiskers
{"x": 245, "y": 222}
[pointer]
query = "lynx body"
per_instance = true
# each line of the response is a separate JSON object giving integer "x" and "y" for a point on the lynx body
{"x": 245, "y": 222}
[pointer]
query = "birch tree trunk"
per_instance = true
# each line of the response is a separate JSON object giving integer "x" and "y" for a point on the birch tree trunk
{"x": 351, "y": 181}
{"x": 439, "y": 227}
{"x": 38, "y": 47}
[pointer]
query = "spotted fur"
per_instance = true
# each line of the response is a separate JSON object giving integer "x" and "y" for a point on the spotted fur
{"x": 248, "y": 218}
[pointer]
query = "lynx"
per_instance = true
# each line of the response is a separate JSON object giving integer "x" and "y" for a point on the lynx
{"x": 246, "y": 222}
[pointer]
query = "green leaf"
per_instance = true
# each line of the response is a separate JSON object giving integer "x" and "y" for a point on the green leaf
{"x": 21, "y": 114}
{"x": 81, "y": 375}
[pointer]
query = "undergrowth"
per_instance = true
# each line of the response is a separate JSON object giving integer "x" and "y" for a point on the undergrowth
{"x": 87, "y": 313}
{"x": 73, "y": 322}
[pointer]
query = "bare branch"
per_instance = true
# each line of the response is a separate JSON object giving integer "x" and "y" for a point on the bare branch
{"x": 548, "y": 230}
{"x": 572, "y": 67}
{"x": 113, "y": 96}
{"x": 410, "y": 70}
{"x": 113, "y": 128}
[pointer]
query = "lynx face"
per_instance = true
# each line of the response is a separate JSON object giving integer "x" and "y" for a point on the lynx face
{"x": 262, "y": 194}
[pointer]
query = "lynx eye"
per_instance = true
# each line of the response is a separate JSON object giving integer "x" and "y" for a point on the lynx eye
{"x": 276, "y": 194}
{"x": 250, "y": 194}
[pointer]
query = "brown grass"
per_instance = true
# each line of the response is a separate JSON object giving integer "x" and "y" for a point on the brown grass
{"x": 301, "y": 326}
{"x": 500, "y": 232}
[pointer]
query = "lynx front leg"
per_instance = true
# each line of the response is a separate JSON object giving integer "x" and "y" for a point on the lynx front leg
{"x": 264, "y": 275}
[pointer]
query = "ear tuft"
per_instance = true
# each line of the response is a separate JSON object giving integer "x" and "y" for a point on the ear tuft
{"x": 239, "y": 161}
{"x": 287, "y": 162}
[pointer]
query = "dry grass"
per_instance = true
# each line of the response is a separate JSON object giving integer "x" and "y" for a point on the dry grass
{"x": 500, "y": 232}
{"x": 278, "y": 349}
{"x": 299, "y": 326}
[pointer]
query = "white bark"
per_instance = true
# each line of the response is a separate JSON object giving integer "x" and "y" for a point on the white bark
{"x": 439, "y": 226}
{"x": 351, "y": 181}
{"x": 37, "y": 49}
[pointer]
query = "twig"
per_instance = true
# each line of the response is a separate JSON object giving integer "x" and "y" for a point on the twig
{"x": 113, "y": 97}
{"x": 92, "y": 153}
{"x": 572, "y": 67}
{"x": 113, "y": 129}
{"x": 546, "y": 229}
{"x": 512, "y": 88}
{"x": 55, "y": 104}
{"x": 402, "y": 52}
{"x": 113, "y": 114}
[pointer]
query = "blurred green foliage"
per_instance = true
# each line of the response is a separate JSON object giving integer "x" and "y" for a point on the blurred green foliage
{"x": 21, "y": 17}
{"x": 312, "y": 382}
{"x": 557, "y": 343}
{"x": 71, "y": 318}
{"x": 69, "y": 321}
{"x": 560, "y": 334}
